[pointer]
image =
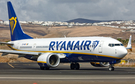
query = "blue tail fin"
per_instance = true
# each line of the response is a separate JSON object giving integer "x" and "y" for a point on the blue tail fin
{"x": 15, "y": 28}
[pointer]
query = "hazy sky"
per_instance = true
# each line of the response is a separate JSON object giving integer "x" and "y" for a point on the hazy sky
{"x": 63, "y": 10}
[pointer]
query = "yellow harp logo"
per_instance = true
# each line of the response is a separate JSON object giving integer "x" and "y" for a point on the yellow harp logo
{"x": 13, "y": 22}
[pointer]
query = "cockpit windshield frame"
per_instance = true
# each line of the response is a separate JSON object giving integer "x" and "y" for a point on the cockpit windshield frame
{"x": 117, "y": 44}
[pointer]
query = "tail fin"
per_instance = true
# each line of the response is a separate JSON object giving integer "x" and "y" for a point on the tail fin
{"x": 15, "y": 28}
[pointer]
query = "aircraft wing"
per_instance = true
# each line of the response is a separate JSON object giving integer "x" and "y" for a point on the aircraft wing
{"x": 23, "y": 53}
{"x": 6, "y": 52}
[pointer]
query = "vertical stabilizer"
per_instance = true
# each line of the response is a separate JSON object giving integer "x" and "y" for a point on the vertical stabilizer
{"x": 15, "y": 28}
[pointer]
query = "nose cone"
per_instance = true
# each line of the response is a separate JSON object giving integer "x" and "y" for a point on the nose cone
{"x": 122, "y": 52}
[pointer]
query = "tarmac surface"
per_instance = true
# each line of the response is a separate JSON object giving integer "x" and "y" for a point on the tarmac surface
{"x": 29, "y": 73}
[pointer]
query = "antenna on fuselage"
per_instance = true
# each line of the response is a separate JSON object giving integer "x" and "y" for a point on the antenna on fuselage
{"x": 65, "y": 36}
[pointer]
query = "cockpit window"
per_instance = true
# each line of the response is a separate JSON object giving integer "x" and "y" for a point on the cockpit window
{"x": 112, "y": 45}
{"x": 117, "y": 44}
{"x": 121, "y": 44}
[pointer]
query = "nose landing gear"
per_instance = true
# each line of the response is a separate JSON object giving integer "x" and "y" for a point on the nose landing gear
{"x": 111, "y": 68}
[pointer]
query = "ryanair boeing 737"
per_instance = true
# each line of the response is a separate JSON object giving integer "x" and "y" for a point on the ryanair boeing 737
{"x": 50, "y": 52}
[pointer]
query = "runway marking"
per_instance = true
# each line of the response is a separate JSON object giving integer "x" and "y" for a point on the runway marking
{"x": 58, "y": 77}
{"x": 11, "y": 65}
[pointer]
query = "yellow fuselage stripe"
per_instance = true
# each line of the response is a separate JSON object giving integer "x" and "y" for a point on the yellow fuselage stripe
{"x": 67, "y": 52}
{"x": 41, "y": 62}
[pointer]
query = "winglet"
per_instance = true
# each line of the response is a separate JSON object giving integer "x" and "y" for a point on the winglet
{"x": 129, "y": 46}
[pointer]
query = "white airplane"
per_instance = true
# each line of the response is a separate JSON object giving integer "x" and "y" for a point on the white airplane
{"x": 50, "y": 52}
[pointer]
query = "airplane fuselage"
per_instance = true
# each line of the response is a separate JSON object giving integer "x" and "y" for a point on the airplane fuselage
{"x": 76, "y": 49}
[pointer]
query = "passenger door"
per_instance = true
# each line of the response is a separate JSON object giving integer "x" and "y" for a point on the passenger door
{"x": 115, "y": 51}
{"x": 100, "y": 48}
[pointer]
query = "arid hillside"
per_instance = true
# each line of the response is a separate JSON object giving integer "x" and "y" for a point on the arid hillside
{"x": 38, "y": 31}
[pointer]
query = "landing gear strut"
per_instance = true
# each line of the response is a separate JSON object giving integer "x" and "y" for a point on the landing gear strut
{"x": 111, "y": 68}
{"x": 75, "y": 66}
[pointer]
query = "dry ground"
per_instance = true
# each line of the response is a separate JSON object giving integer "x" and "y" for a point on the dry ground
{"x": 38, "y": 31}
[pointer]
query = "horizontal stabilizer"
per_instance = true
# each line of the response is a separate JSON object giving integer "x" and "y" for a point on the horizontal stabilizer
{"x": 5, "y": 43}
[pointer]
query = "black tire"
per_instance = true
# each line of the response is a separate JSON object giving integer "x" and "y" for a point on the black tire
{"x": 42, "y": 68}
{"x": 77, "y": 66}
{"x": 72, "y": 66}
{"x": 111, "y": 68}
{"x": 47, "y": 68}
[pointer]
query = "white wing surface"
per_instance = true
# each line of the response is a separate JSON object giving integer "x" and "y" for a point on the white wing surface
{"x": 6, "y": 52}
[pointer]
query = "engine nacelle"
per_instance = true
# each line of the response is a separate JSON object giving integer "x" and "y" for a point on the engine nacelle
{"x": 100, "y": 64}
{"x": 48, "y": 60}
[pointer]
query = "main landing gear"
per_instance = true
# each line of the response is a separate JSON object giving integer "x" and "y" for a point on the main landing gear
{"x": 44, "y": 68}
{"x": 111, "y": 68}
{"x": 75, "y": 66}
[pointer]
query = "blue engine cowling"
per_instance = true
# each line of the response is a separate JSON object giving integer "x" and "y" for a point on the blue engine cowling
{"x": 100, "y": 64}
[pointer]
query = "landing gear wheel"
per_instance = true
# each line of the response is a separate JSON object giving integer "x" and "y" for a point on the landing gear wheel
{"x": 111, "y": 68}
{"x": 75, "y": 66}
{"x": 72, "y": 66}
{"x": 42, "y": 68}
{"x": 47, "y": 68}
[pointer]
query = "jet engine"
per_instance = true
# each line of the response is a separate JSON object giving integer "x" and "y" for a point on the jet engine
{"x": 48, "y": 60}
{"x": 100, "y": 64}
